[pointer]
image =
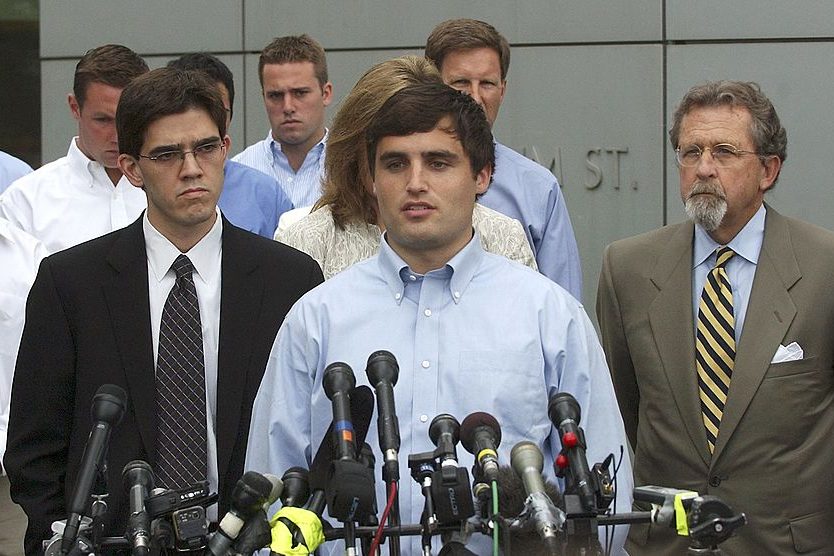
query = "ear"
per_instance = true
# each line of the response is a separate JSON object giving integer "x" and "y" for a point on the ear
{"x": 130, "y": 168}
{"x": 772, "y": 167}
{"x": 482, "y": 179}
{"x": 503, "y": 90}
{"x": 327, "y": 93}
{"x": 227, "y": 141}
{"x": 75, "y": 108}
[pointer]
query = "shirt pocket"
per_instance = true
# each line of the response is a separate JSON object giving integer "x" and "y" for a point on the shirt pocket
{"x": 507, "y": 384}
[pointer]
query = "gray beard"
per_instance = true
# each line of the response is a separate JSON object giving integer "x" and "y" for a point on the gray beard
{"x": 706, "y": 210}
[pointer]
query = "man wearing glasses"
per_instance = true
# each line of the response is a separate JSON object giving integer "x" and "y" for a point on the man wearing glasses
{"x": 718, "y": 336}
{"x": 179, "y": 309}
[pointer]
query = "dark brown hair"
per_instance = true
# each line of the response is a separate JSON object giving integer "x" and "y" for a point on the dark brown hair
{"x": 111, "y": 64}
{"x": 163, "y": 92}
{"x": 465, "y": 34}
{"x": 302, "y": 48}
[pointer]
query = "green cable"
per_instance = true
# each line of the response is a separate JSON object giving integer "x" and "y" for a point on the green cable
{"x": 495, "y": 544}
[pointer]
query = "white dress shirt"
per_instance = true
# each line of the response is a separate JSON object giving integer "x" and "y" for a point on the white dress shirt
{"x": 205, "y": 256}
{"x": 20, "y": 255}
{"x": 70, "y": 201}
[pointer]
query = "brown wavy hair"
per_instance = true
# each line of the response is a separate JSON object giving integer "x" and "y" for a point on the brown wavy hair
{"x": 347, "y": 176}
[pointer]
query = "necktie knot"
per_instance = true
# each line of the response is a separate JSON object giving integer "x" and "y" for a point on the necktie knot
{"x": 723, "y": 256}
{"x": 182, "y": 267}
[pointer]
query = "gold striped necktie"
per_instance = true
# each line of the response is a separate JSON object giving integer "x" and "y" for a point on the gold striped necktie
{"x": 715, "y": 344}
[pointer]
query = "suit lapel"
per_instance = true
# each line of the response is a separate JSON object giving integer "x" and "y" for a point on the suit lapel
{"x": 670, "y": 316}
{"x": 127, "y": 300}
{"x": 770, "y": 312}
{"x": 240, "y": 303}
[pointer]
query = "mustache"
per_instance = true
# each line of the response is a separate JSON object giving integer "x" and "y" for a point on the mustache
{"x": 711, "y": 188}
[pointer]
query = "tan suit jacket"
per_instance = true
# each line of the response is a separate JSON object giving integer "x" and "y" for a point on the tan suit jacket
{"x": 774, "y": 456}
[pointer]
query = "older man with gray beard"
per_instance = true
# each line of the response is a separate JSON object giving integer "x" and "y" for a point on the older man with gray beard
{"x": 718, "y": 335}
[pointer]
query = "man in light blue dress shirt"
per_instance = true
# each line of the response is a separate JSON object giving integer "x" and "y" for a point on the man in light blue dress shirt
{"x": 251, "y": 200}
{"x": 293, "y": 75}
{"x": 474, "y": 57}
{"x": 429, "y": 297}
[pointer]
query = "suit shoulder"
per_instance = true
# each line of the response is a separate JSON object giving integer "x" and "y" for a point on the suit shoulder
{"x": 651, "y": 241}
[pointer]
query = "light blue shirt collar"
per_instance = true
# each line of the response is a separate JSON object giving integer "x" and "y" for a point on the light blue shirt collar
{"x": 458, "y": 271}
{"x": 747, "y": 243}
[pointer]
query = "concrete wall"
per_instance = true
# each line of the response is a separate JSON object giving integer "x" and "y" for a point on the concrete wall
{"x": 591, "y": 87}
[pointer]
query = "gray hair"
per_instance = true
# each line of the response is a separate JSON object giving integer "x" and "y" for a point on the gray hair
{"x": 769, "y": 137}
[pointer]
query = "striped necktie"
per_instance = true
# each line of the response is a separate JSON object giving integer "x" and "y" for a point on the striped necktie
{"x": 715, "y": 345}
{"x": 181, "y": 386}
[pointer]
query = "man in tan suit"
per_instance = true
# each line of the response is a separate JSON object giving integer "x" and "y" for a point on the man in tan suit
{"x": 731, "y": 395}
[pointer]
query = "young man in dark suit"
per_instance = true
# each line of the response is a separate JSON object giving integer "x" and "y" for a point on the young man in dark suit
{"x": 97, "y": 315}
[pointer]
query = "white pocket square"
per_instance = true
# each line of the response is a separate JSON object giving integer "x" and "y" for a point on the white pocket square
{"x": 790, "y": 352}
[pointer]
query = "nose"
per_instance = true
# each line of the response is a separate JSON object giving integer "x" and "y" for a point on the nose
{"x": 190, "y": 167}
{"x": 289, "y": 104}
{"x": 706, "y": 167}
{"x": 475, "y": 92}
{"x": 416, "y": 180}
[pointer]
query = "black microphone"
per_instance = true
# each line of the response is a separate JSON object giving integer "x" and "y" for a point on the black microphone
{"x": 361, "y": 412}
{"x": 138, "y": 480}
{"x": 382, "y": 371}
{"x": 296, "y": 487}
{"x": 350, "y": 490}
{"x": 564, "y": 413}
{"x": 107, "y": 411}
{"x": 527, "y": 461}
{"x": 250, "y": 494}
{"x": 256, "y": 532}
{"x": 338, "y": 381}
{"x": 480, "y": 434}
{"x": 450, "y": 490}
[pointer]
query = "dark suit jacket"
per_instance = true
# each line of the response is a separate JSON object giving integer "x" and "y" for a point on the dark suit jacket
{"x": 88, "y": 324}
{"x": 774, "y": 457}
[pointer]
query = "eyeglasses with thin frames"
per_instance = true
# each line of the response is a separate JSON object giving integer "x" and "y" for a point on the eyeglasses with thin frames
{"x": 208, "y": 153}
{"x": 723, "y": 155}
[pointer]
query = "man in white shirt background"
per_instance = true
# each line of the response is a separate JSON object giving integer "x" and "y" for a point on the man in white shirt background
{"x": 296, "y": 91}
{"x": 83, "y": 195}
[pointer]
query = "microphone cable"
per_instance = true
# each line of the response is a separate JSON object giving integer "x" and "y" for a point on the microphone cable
{"x": 392, "y": 496}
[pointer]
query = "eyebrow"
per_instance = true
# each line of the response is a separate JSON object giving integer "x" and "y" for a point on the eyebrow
{"x": 179, "y": 147}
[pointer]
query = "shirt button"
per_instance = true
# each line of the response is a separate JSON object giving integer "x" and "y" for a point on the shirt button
{"x": 426, "y": 364}
{"x": 424, "y": 418}
{"x": 714, "y": 481}
{"x": 412, "y": 278}
{"x": 457, "y": 295}
{"x": 427, "y": 312}
{"x": 397, "y": 295}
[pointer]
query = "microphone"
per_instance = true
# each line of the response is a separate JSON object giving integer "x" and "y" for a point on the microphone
{"x": 450, "y": 490}
{"x": 138, "y": 480}
{"x": 296, "y": 487}
{"x": 564, "y": 413}
{"x": 256, "y": 532}
{"x": 480, "y": 434}
{"x": 350, "y": 485}
{"x": 275, "y": 493}
{"x": 361, "y": 411}
{"x": 382, "y": 371}
{"x": 250, "y": 494}
{"x": 107, "y": 411}
{"x": 527, "y": 461}
{"x": 338, "y": 381}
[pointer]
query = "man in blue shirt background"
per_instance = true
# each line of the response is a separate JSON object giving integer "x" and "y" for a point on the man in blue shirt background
{"x": 471, "y": 331}
{"x": 250, "y": 199}
{"x": 474, "y": 57}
